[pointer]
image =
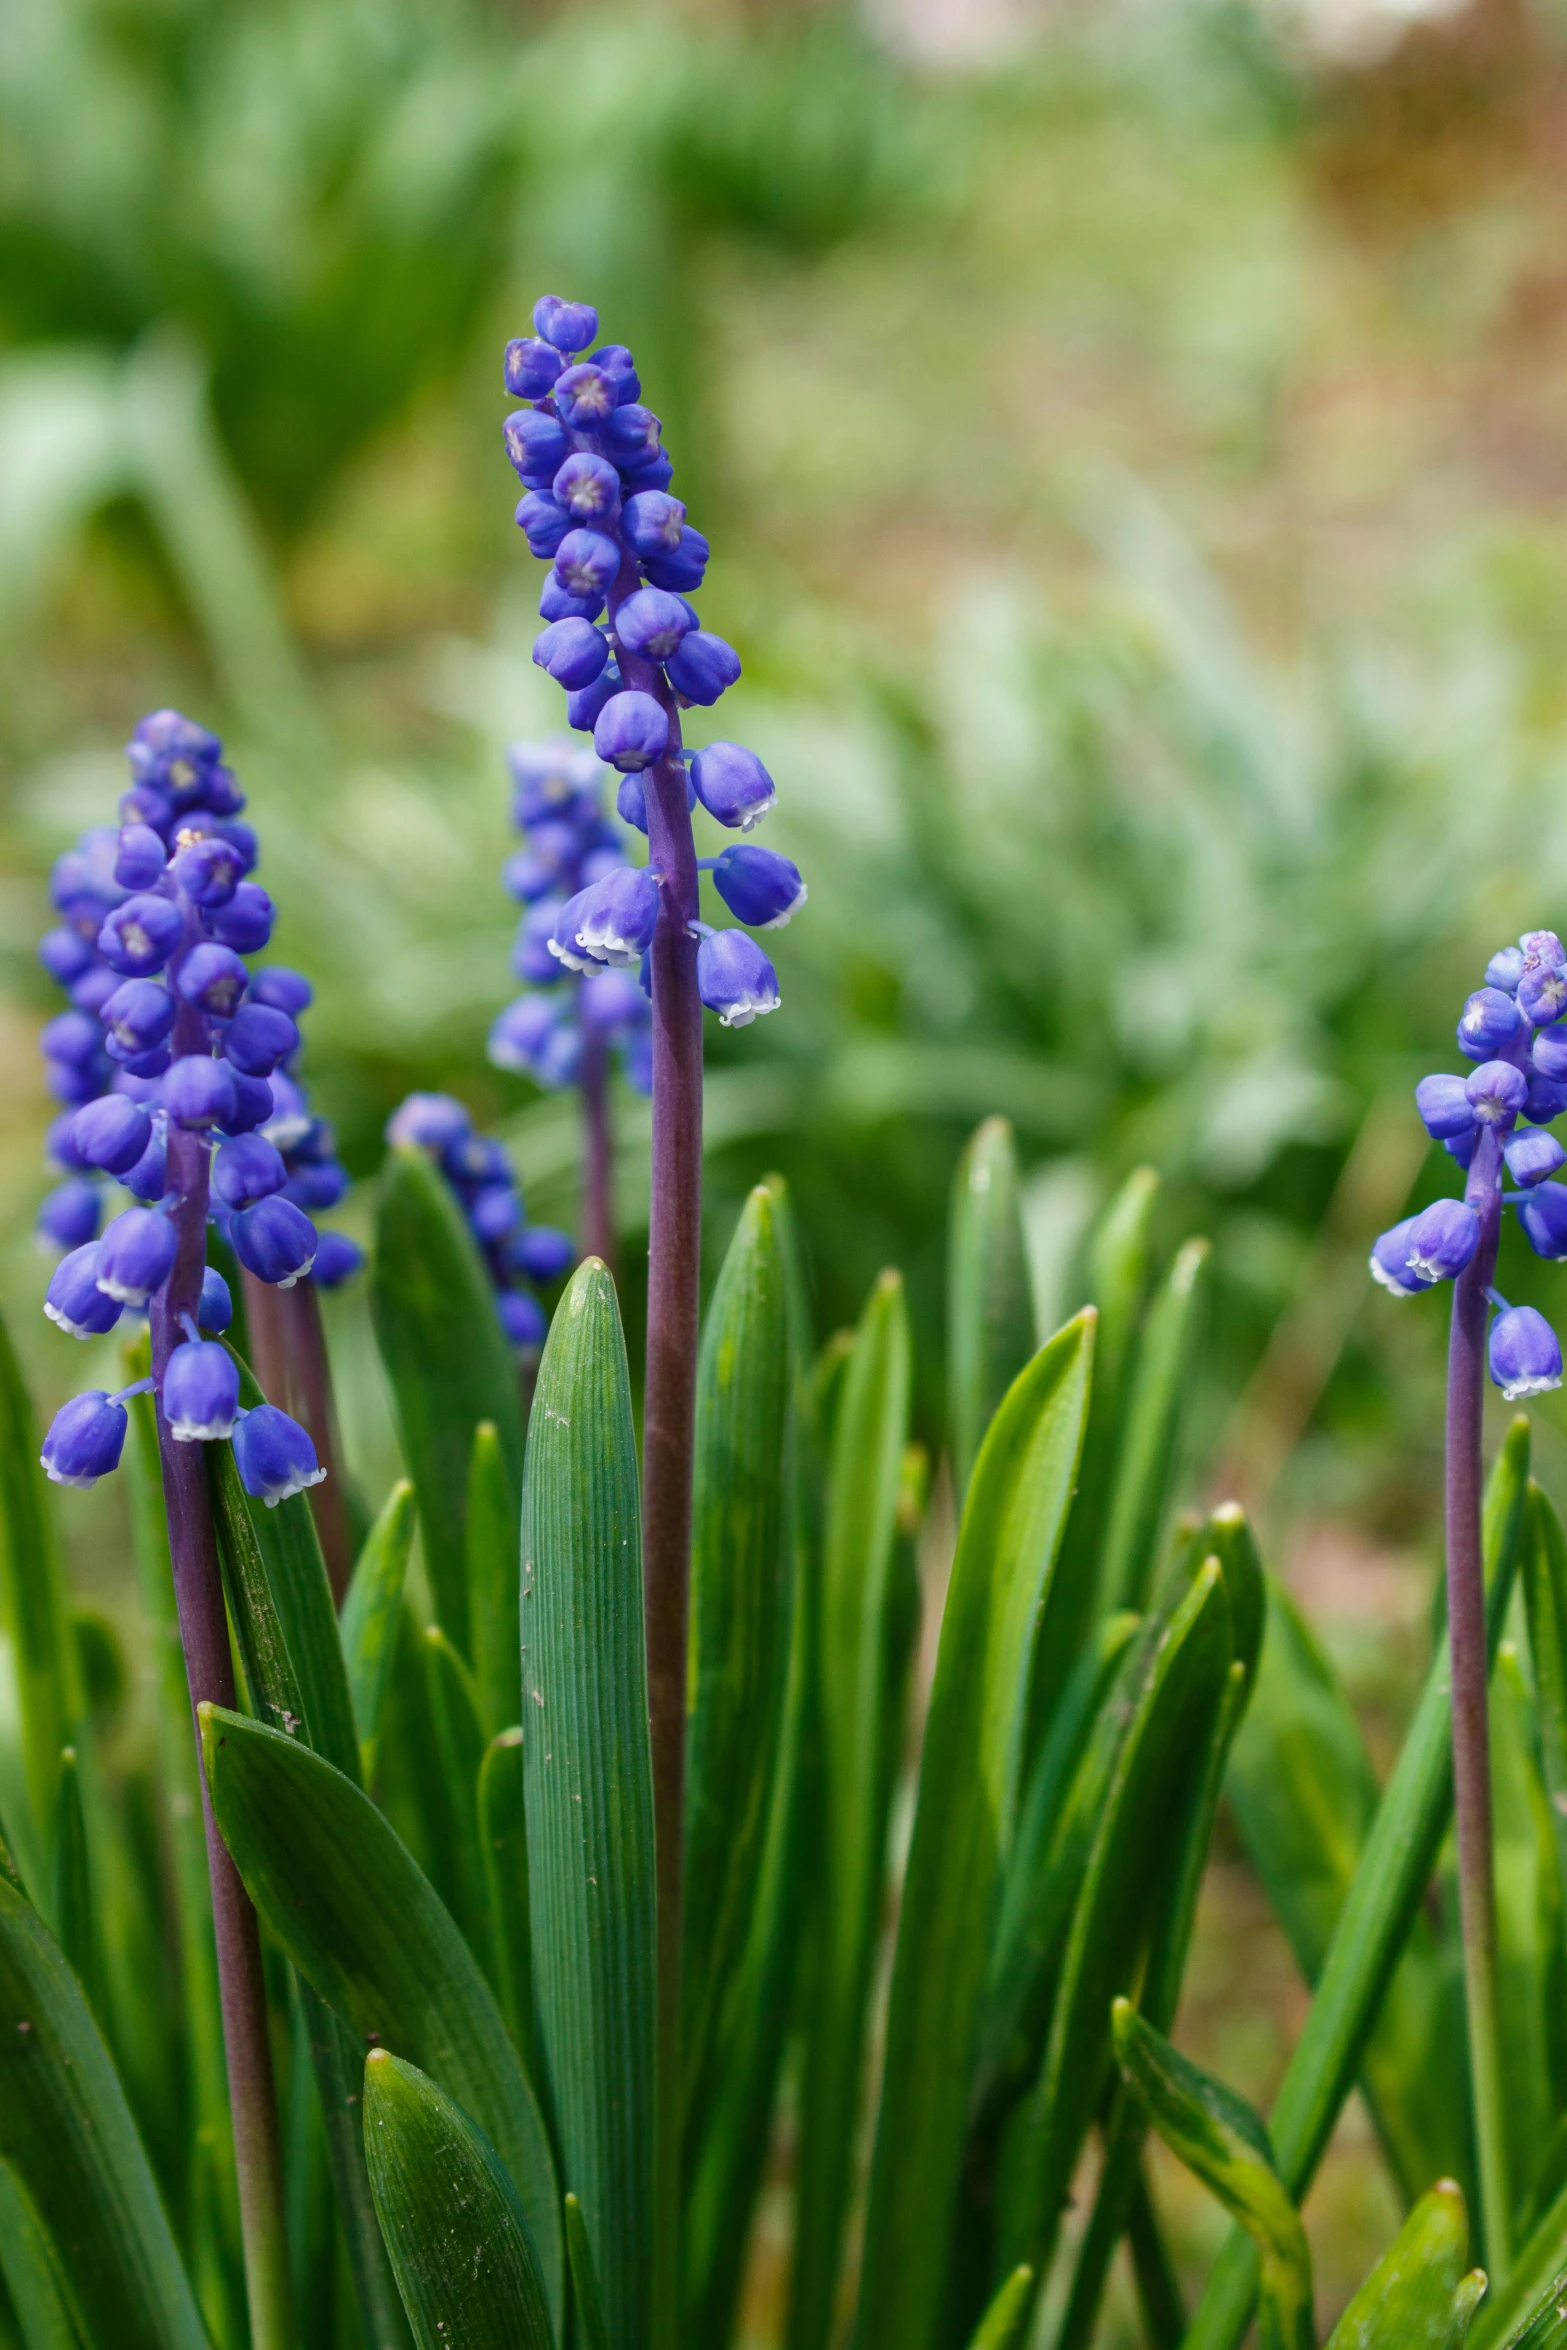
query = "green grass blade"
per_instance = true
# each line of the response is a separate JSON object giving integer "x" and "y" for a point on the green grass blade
{"x": 990, "y": 1316}
{"x": 459, "y": 1744}
{"x": 1217, "y": 2135}
{"x": 1545, "y": 1598}
{"x": 1532, "y": 1990}
{"x": 459, "y": 2244}
{"x": 368, "y": 1625}
{"x": 76, "y": 1922}
{"x": 337, "y": 2060}
{"x": 448, "y": 1362}
{"x": 67, "y": 2134}
{"x": 856, "y": 1703}
{"x": 34, "y": 1611}
{"x": 593, "y": 2333}
{"x": 364, "y": 1926}
{"x": 1407, "y": 2302}
{"x": 964, "y": 1824}
{"x": 588, "y": 1777}
{"x": 1159, "y": 1388}
{"x": 1375, "y": 1921}
{"x": 503, "y": 1838}
{"x": 740, "y": 1564}
{"x": 493, "y": 1541}
{"x": 1005, "y": 2322}
{"x": 30, "y": 2269}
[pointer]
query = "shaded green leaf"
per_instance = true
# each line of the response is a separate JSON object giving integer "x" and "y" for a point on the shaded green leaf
{"x": 503, "y": 1838}
{"x": 364, "y": 1926}
{"x": 459, "y": 1744}
{"x": 459, "y": 2244}
{"x": 588, "y": 1778}
{"x": 31, "y": 2271}
{"x": 1005, "y": 2322}
{"x": 34, "y": 1612}
{"x": 368, "y": 1625}
{"x": 1146, "y": 1461}
{"x": 493, "y": 1540}
{"x": 593, "y": 2332}
{"x": 76, "y": 1921}
{"x": 1531, "y": 1978}
{"x": 448, "y": 1362}
{"x": 964, "y": 1825}
{"x": 1409, "y": 2300}
{"x": 990, "y": 1316}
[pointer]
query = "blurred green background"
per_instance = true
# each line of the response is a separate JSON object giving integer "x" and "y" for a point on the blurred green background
{"x": 1133, "y": 438}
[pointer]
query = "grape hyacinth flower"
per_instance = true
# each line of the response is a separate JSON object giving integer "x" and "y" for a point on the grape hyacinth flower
{"x": 518, "y": 1255}
{"x": 1494, "y": 1122}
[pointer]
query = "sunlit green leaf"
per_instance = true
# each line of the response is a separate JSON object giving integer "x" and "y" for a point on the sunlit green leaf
{"x": 990, "y": 1316}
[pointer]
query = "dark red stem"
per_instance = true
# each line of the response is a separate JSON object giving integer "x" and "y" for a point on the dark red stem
{"x": 288, "y": 1347}
{"x": 598, "y": 1167}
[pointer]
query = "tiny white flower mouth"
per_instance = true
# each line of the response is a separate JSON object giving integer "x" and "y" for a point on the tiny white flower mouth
{"x": 71, "y": 1329}
{"x": 296, "y": 1484}
{"x": 779, "y": 921}
{"x": 747, "y": 1009}
{"x": 59, "y": 1476}
{"x": 200, "y": 1431}
{"x": 753, "y": 816}
{"x": 1515, "y": 1389}
{"x": 127, "y": 1295}
{"x": 298, "y": 1273}
{"x": 1390, "y": 1281}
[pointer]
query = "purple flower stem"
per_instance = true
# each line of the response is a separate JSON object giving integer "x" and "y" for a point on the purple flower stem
{"x": 1470, "y": 1670}
{"x": 669, "y": 1412}
{"x": 292, "y": 1370}
{"x": 198, "y": 1592}
{"x": 598, "y": 1217}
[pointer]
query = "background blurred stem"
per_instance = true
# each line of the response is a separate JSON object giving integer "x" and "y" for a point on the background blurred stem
{"x": 288, "y": 1346}
{"x": 1471, "y": 1732}
{"x": 598, "y": 1174}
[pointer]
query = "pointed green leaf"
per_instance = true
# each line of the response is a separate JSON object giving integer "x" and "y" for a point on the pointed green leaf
{"x": 592, "y": 2331}
{"x": 588, "y": 1778}
{"x": 67, "y": 2134}
{"x": 368, "y": 1625}
{"x": 1531, "y": 1983}
{"x": 1146, "y": 1463}
{"x": 503, "y": 1837}
{"x": 34, "y": 1613}
{"x": 1217, "y": 2135}
{"x": 459, "y": 1743}
{"x": 30, "y": 2271}
{"x": 1375, "y": 1921}
{"x": 1005, "y": 2323}
{"x": 990, "y": 1315}
{"x": 360, "y": 1921}
{"x": 857, "y": 1702}
{"x": 964, "y": 1824}
{"x": 459, "y": 2244}
{"x": 448, "y": 1362}
{"x": 1407, "y": 2302}
{"x": 1545, "y": 1596}
{"x": 742, "y": 1531}
{"x": 494, "y": 1546}
{"x": 75, "y": 1909}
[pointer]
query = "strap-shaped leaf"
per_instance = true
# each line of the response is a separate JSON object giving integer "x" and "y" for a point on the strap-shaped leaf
{"x": 368, "y": 1625}
{"x": 1531, "y": 1980}
{"x": 587, "y": 1771}
{"x": 990, "y": 1315}
{"x": 459, "y": 2244}
{"x": 1005, "y": 2322}
{"x": 1217, "y": 2135}
{"x": 459, "y": 1743}
{"x": 963, "y": 1830}
{"x": 30, "y": 2272}
{"x": 1545, "y": 1596}
{"x": 856, "y": 1699}
{"x": 493, "y": 1542}
{"x": 1159, "y": 1389}
{"x": 76, "y": 1919}
{"x": 593, "y": 2333}
{"x": 1374, "y": 1924}
{"x": 448, "y": 1362}
{"x": 1411, "y": 2297}
{"x": 363, "y": 1924}
{"x": 742, "y": 1529}
{"x": 33, "y": 1611}
{"x": 67, "y": 2134}
{"x": 503, "y": 1839}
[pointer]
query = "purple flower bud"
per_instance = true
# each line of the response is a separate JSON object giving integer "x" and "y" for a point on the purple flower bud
{"x": 316, "y": 1187}
{"x": 652, "y": 623}
{"x": 563, "y": 941}
{"x": 200, "y": 1392}
{"x": 585, "y": 396}
{"x": 1544, "y": 1100}
{"x": 588, "y": 487}
{"x": 209, "y": 870}
{"x": 212, "y": 978}
{"x": 258, "y": 1037}
{"x": 617, "y": 917}
{"x": 531, "y": 367}
{"x": 615, "y": 361}
{"x": 216, "y": 1309}
{"x": 245, "y": 923}
{"x": 199, "y": 1092}
{"x": 1505, "y": 969}
{"x": 138, "y": 1016}
{"x": 519, "y": 1035}
{"x": 655, "y": 474}
{"x": 586, "y": 563}
{"x": 733, "y": 785}
{"x": 473, "y": 1160}
{"x": 338, "y": 1259}
{"x": 274, "y": 1240}
{"x": 760, "y": 887}
{"x": 542, "y": 522}
{"x": 530, "y": 956}
{"x": 684, "y": 568}
{"x": 285, "y": 990}
{"x": 247, "y": 1168}
{"x": 74, "y": 1300}
{"x": 1443, "y": 1103}
{"x": 253, "y": 1104}
{"x": 148, "y": 1179}
{"x": 631, "y": 802}
{"x": 584, "y": 705}
{"x": 111, "y": 1133}
{"x": 1390, "y": 1262}
{"x": 493, "y": 1211}
{"x": 652, "y": 523}
{"x": 139, "y": 937}
{"x": 526, "y": 877}
{"x": 536, "y": 445}
{"x": 523, "y": 1319}
{"x": 74, "y": 1037}
{"x": 1532, "y": 1154}
{"x": 1543, "y": 1216}
{"x": 542, "y": 1253}
{"x": 1548, "y": 1053}
{"x": 610, "y": 1000}
{"x": 569, "y": 326}
{"x": 274, "y": 1455}
{"x": 1489, "y": 1019}
{"x": 60, "y": 1146}
{"x": 1497, "y": 1092}
{"x": 631, "y": 436}
{"x": 1525, "y": 1357}
{"x": 92, "y": 991}
{"x": 64, "y": 954}
{"x": 632, "y": 731}
{"x": 560, "y": 1060}
{"x": 172, "y": 752}
{"x": 1442, "y": 1239}
{"x": 433, "y": 1121}
{"x": 702, "y": 667}
{"x": 556, "y": 604}
{"x": 1542, "y": 994}
{"x": 735, "y": 979}
{"x": 85, "y": 1439}
{"x": 135, "y": 1256}
{"x": 140, "y": 857}
{"x": 573, "y": 652}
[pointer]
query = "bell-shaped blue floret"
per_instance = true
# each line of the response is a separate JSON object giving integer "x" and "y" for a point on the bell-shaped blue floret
{"x": 1442, "y": 1239}
{"x": 631, "y": 731}
{"x": 1496, "y": 1093}
{"x": 1532, "y": 1155}
{"x": 274, "y": 1455}
{"x": 136, "y": 1256}
{"x": 1390, "y": 1262}
{"x": 735, "y": 979}
{"x": 1489, "y": 1020}
{"x": 85, "y": 1439}
{"x": 733, "y": 785}
{"x": 338, "y": 1259}
{"x": 111, "y": 1133}
{"x": 216, "y": 1310}
{"x": 73, "y": 1298}
{"x": 198, "y": 1092}
{"x": 68, "y": 1216}
{"x": 758, "y": 886}
{"x": 200, "y": 1392}
{"x": 274, "y": 1240}
{"x": 1524, "y": 1354}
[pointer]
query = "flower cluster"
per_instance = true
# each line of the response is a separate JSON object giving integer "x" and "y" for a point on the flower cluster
{"x": 624, "y": 640}
{"x": 568, "y": 845}
{"x": 1495, "y": 1122}
{"x": 173, "y": 1051}
{"x": 476, "y": 1166}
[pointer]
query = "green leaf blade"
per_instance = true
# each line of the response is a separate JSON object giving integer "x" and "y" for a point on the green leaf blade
{"x": 1408, "y": 2301}
{"x": 34, "y": 1611}
{"x": 990, "y": 1319}
{"x": 493, "y": 1540}
{"x": 1153, "y": 1425}
{"x": 368, "y": 1624}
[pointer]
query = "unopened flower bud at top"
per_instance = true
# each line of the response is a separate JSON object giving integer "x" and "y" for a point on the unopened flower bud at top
{"x": 632, "y": 731}
{"x": 568, "y": 326}
{"x": 1505, "y": 969}
{"x": 733, "y": 785}
{"x": 1532, "y": 1154}
{"x": 73, "y": 1299}
{"x": 111, "y": 1133}
{"x": 199, "y": 1092}
{"x": 140, "y": 857}
{"x": 615, "y": 361}
{"x": 585, "y": 399}
{"x": 85, "y": 1439}
{"x": 135, "y": 1255}
{"x": 139, "y": 936}
{"x": 1497, "y": 1092}
{"x": 573, "y": 652}
{"x": 735, "y": 978}
{"x": 1525, "y": 1357}
{"x": 702, "y": 667}
{"x": 531, "y": 367}
{"x": 200, "y": 1392}
{"x": 1390, "y": 1262}
{"x": 1542, "y": 995}
{"x": 274, "y": 1455}
{"x": 245, "y": 923}
{"x": 1489, "y": 1020}
{"x": 213, "y": 978}
{"x": 1442, "y": 1239}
